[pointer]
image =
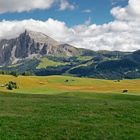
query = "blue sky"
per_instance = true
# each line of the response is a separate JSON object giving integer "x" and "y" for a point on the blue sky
{"x": 92, "y": 24}
{"x": 99, "y": 12}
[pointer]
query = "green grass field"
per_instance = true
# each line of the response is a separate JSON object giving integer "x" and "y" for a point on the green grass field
{"x": 45, "y": 62}
{"x": 79, "y": 109}
{"x": 74, "y": 116}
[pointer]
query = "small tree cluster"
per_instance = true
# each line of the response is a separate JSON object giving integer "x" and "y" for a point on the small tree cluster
{"x": 11, "y": 85}
{"x": 14, "y": 73}
{"x": 27, "y": 73}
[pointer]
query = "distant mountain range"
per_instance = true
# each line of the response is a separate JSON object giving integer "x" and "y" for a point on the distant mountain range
{"x": 39, "y": 54}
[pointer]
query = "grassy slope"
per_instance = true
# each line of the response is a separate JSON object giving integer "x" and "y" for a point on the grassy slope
{"x": 45, "y": 62}
{"x": 58, "y": 84}
{"x": 67, "y": 116}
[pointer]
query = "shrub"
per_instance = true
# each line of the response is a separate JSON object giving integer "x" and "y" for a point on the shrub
{"x": 11, "y": 85}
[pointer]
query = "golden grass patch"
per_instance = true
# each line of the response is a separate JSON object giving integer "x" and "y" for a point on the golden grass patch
{"x": 36, "y": 84}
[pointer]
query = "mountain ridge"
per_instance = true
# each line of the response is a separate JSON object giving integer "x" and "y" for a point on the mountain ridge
{"x": 40, "y": 54}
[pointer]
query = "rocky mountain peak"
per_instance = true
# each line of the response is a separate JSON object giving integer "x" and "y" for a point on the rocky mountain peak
{"x": 32, "y": 44}
{"x": 39, "y": 37}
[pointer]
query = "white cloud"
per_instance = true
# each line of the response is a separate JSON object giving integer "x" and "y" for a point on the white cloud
{"x": 53, "y": 28}
{"x": 24, "y": 5}
{"x": 87, "y": 11}
{"x": 121, "y": 34}
{"x": 64, "y": 4}
{"x": 128, "y": 13}
{"x": 88, "y": 21}
{"x": 28, "y": 5}
{"x": 115, "y": 2}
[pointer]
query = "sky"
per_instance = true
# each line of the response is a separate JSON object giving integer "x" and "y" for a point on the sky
{"x": 92, "y": 24}
{"x": 80, "y": 11}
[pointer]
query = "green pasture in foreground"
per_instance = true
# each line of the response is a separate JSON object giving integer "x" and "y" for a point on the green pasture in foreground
{"x": 69, "y": 116}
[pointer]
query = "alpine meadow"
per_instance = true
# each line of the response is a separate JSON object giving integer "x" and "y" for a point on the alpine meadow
{"x": 70, "y": 70}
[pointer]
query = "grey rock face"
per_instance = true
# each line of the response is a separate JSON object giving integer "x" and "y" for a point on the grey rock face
{"x": 32, "y": 44}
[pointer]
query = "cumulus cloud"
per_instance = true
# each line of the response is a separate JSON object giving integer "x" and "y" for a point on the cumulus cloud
{"x": 121, "y": 34}
{"x": 129, "y": 13}
{"x": 51, "y": 27}
{"x": 28, "y": 5}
